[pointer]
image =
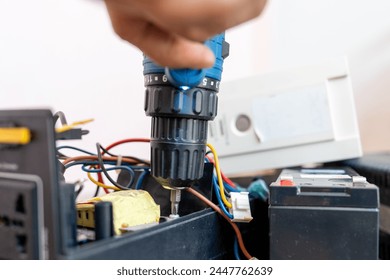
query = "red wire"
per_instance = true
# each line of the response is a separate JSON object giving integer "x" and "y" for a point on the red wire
{"x": 226, "y": 179}
{"x": 127, "y": 141}
{"x": 100, "y": 179}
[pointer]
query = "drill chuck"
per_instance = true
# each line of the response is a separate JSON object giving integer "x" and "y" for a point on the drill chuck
{"x": 181, "y": 102}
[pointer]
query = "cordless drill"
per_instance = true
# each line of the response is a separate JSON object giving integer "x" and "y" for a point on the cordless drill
{"x": 181, "y": 102}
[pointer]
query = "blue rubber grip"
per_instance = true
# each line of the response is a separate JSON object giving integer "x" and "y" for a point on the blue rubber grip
{"x": 192, "y": 77}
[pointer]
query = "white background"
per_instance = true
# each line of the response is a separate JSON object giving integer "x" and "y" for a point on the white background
{"x": 281, "y": 270}
{"x": 63, "y": 54}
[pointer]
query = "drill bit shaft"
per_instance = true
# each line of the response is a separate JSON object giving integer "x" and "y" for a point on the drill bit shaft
{"x": 175, "y": 200}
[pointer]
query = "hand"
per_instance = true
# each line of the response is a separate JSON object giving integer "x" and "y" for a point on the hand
{"x": 171, "y": 32}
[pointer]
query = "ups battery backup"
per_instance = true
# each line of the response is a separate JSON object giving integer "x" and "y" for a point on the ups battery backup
{"x": 323, "y": 214}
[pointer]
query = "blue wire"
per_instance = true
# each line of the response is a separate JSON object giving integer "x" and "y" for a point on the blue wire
{"x": 135, "y": 167}
{"x": 87, "y": 162}
{"x": 129, "y": 168}
{"x": 84, "y": 162}
{"x": 131, "y": 171}
{"x": 84, "y": 167}
{"x": 235, "y": 249}
{"x": 76, "y": 149}
{"x": 141, "y": 179}
{"x": 216, "y": 188}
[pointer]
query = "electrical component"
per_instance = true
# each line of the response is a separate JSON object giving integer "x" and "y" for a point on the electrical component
{"x": 55, "y": 235}
{"x": 69, "y": 131}
{"x": 15, "y": 135}
{"x": 104, "y": 227}
{"x": 67, "y": 127}
{"x": 130, "y": 208}
{"x": 323, "y": 214}
{"x": 258, "y": 189}
{"x": 85, "y": 215}
{"x": 21, "y": 216}
{"x": 241, "y": 209}
{"x": 376, "y": 167}
{"x": 38, "y": 158}
{"x": 286, "y": 180}
{"x": 71, "y": 134}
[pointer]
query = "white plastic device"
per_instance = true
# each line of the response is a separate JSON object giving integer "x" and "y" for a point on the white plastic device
{"x": 285, "y": 119}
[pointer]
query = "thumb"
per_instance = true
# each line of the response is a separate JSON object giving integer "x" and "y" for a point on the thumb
{"x": 168, "y": 49}
{"x": 177, "y": 52}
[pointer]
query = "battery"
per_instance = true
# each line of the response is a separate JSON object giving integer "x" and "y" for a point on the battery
{"x": 376, "y": 167}
{"x": 323, "y": 214}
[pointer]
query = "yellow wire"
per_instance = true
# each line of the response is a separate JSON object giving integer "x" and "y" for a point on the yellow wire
{"x": 72, "y": 125}
{"x": 101, "y": 184}
{"x": 220, "y": 182}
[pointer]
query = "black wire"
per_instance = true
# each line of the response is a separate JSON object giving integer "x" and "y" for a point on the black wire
{"x": 128, "y": 157}
{"x": 63, "y": 156}
{"x": 79, "y": 190}
{"x": 227, "y": 194}
{"x": 60, "y": 115}
{"x": 102, "y": 167}
{"x": 97, "y": 191}
{"x": 76, "y": 149}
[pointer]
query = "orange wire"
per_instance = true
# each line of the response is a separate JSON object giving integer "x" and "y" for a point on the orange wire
{"x": 78, "y": 158}
{"x": 234, "y": 226}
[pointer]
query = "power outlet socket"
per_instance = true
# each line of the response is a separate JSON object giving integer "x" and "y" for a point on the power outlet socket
{"x": 21, "y": 217}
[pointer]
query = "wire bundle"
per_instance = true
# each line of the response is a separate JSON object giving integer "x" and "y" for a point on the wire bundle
{"x": 222, "y": 186}
{"x": 96, "y": 163}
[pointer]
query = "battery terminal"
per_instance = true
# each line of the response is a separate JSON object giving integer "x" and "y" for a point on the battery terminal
{"x": 286, "y": 181}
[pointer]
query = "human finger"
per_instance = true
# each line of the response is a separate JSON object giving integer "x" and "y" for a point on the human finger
{"x": 164, "y": 48}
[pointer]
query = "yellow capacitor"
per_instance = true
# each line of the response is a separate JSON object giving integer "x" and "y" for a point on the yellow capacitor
{"x": 15, "y": 135}
{"x": 130, "y": 207}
